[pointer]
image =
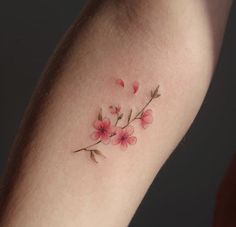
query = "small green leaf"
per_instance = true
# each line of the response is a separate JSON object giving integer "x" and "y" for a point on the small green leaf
{"x": 99, "y": 153}
{"x": 93, "y": 157}
{"x": 155, "y": 92}
{"x": 100, "y": 115}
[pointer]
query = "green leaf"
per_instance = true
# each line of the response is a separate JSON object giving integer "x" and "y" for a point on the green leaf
{"x": 93, "y": 157}
{"x": 99, "y": 153}
{"x": 155, "y": 92}
{"x": 100, "y": 115}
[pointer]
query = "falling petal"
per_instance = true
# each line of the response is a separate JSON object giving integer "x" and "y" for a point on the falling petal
{"x": 135, "y": 86}
{"x": 120, "y": 82}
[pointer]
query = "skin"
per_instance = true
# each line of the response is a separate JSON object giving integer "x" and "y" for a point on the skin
{"x": 171, "y": 43}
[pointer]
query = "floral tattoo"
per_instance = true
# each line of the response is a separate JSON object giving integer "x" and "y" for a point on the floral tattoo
{"x": 107, "y": 132}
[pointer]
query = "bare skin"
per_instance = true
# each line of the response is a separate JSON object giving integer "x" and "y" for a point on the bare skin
{"x": 171, "y": 43}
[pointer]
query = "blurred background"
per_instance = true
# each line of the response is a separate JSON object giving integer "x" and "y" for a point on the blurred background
{"x": 183, "y": 194}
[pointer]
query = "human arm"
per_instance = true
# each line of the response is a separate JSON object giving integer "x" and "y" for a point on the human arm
{"x": 175, "y": 45}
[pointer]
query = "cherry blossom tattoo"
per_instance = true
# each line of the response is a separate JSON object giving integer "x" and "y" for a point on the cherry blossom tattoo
{"x": 106, "y": 132}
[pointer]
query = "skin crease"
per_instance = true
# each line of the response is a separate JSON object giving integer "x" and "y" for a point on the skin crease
{"x": 174, "y": 44}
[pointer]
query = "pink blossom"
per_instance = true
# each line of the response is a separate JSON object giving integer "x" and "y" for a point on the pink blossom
{"x": 135, "y": 86}
{"x": 103, "y": 130}
{"x": 120, "y": 82}
{"x": 115, "y": 109}
{"x": 146, "y": 118}
{"x": 124, "y": 137}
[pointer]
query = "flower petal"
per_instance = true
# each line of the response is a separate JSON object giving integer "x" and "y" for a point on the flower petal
{"x": 95, "y": 136}
{"x": 135, "y": 87}
{"x": 148, "y": 112}
{"x": 144, "y": 124}
{"x": 118, "y": 130}
{"x": 132, "y": 140}
{"x": 115, "y": 140}
{"x": 105, "y": 139}
{"x": 130, "y": 130}
{"x": 97, "y": 124}
{"x": 106, "y": 122}
{"x": 148, "y": 119}
{"x": 124, "y": 145}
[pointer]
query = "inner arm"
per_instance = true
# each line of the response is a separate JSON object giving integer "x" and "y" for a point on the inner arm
{"x": 155, "y": 58}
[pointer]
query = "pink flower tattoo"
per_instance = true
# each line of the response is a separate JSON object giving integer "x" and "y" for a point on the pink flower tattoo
{"x": 123, "y": 136}
{"x": 116, "y": 133}
{"x": 103, "y": 130}
{"x": 135, "y": 87}
{"x": 146, "y": 118}
{"x": 120, "y": 82}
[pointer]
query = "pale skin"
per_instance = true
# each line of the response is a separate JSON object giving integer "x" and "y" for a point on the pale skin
{"x": 171, "y": 43}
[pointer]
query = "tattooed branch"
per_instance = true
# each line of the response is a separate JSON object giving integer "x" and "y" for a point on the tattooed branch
{"x": 106, "y": 132}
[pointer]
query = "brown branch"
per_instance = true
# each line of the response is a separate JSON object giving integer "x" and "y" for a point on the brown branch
{"x": 137, "y": 116}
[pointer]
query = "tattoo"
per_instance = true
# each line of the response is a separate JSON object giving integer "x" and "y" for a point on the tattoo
{"x": 106, "y": 132}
